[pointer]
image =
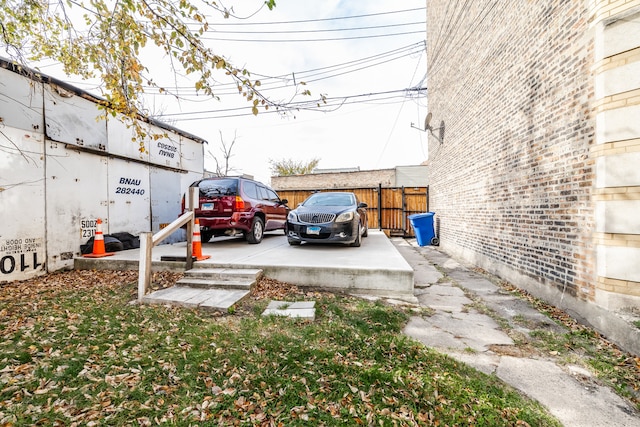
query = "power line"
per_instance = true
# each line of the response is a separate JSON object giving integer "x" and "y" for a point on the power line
{"x": 450, "y": 44}
{"x": 397, "y": 118}
{"x": 267, "y": 82}
{"x": 374, "y": 27}
{"x": 281, "y": 82}
{"x": 322, "y": 19}
{"x": 305, "y": 105}
{"x": 452, "y": 27}
{"x": 357, "y": 69}
{"x": 312, "y": 40}
{"x": 270, "y": 83}
{"x": 412, "y": 46}
{"x": 437, "y": 46}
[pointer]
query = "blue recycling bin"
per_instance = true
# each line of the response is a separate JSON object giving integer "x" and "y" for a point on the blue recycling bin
{"x": 423, "y": 227}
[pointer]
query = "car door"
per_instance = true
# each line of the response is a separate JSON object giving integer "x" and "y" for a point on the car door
{"x": 275, "y": 211}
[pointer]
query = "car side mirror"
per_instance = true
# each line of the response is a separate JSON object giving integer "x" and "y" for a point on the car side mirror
{"x": 362, "y": 205}
{"x": 284, "y": 201}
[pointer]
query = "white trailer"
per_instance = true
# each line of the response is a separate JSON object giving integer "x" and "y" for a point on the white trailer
{"x": 61, "y": 169}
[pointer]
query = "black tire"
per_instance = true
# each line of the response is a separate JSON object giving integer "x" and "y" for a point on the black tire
{"x": 366, "y": 231}
{"x": 294, "y": 242}
{"x": 435, "y": 241}
{"x": 255, "y": 235}
{"x": 205, "y": 236}
{"x": 356, "y": 243}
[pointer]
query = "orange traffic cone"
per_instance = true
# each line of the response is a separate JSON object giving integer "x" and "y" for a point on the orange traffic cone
{"x": 197, "y": 243}
{"x": 98, "y": 244}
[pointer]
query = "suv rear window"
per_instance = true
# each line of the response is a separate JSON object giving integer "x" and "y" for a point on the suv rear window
{"x": 218, "y": 187}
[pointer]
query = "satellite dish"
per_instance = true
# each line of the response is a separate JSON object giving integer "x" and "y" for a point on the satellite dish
{"x": 427, "y": 120}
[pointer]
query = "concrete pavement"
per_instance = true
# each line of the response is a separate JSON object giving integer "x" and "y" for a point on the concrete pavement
{"x": 459, "y": 328}
{"x": 375, "y": 268}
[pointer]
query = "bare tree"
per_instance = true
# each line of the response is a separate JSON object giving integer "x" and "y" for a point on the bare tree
{"x": 223, "y": 165}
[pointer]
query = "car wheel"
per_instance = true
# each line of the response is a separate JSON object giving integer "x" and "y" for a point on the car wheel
{"x": 256, "y": 233}
{"x": 365, "y": 233}
{"x": 294, "y": 242}
{"x": 356, "y": 243}
{"x": 205, "y": 236}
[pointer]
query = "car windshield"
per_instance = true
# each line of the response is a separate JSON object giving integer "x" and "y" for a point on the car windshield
{"x": 330, "y": 199}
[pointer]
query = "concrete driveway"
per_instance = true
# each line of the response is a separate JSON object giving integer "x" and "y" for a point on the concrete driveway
{"x": 374, "y": 268}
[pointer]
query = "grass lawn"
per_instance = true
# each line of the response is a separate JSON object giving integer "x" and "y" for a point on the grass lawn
{"x": 75, "y": 351}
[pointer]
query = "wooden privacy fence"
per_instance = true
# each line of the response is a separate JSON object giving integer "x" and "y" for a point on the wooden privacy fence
{"x": 388, "y": 208}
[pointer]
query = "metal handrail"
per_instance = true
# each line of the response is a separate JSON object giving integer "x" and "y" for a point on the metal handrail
{"x": 149, "y": 240}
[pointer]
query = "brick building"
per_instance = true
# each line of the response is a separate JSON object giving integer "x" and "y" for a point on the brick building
{"x": 400, "y": 176}
{"x": 537, "y": 177}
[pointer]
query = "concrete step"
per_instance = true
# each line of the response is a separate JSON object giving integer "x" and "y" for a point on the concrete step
{"x": 223, "y": 274}
{"x": 216, "y": 283}
{"x": 220, "y": 278}
{"x": 301, "y": 309}
{"x": 208, "y": 288}
{"x": 207, "y": 299}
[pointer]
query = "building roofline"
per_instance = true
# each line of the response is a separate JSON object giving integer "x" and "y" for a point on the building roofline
{"x": 44, "y": 78}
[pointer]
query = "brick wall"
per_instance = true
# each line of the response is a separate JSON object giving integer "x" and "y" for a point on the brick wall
{"x": 536, "y": 178}
{"x": 512, "y": 180}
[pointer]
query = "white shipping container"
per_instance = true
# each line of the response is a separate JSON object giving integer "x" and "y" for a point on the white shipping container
{"x": 61, "y": 171}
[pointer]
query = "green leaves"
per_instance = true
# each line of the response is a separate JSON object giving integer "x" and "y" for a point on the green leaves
{"x": 109, "y": 41}
{"x": 287, "y": 167}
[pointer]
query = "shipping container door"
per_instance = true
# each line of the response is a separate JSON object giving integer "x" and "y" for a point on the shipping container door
{"x": 76, "y": 198}
{"x": 22, "y": 205}
{"x": 165, "y": 201}
{"x": 129, "y": 197}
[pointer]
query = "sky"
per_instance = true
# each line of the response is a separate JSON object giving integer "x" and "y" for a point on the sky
{"x": 364, "y": 73}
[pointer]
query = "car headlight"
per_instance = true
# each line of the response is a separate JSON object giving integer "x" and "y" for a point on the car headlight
{"x": 345, "y": 217}
{"x": 292, "y": 217}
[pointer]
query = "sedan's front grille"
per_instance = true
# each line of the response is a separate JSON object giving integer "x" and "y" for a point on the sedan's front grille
{"x": 317, "y": 218}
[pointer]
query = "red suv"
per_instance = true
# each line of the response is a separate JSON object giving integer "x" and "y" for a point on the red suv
{"x": 230, "y": 205}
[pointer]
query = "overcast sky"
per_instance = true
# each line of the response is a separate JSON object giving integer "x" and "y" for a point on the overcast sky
{"x": 367, "y": 122}
{"x": 368, "y": 132}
